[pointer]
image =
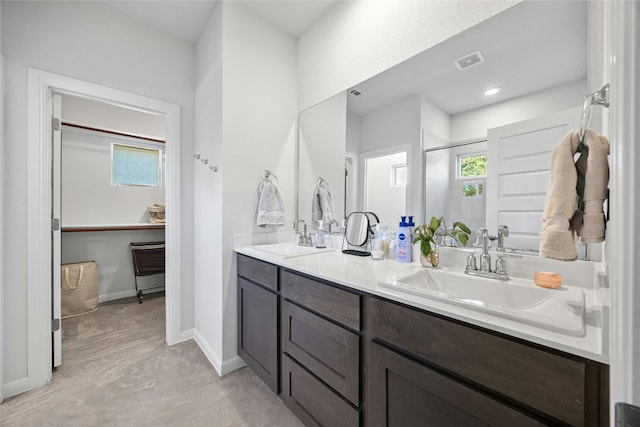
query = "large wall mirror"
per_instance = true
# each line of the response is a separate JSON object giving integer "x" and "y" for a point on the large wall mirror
{"x": 400, "y": 119}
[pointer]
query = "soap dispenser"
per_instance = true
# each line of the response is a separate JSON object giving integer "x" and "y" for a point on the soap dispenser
{"x": 403, "y": 246}
{"x": 321, "y": 240}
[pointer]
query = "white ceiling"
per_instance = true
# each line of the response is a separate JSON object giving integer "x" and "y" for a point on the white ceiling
{"x": 532, "y": 46}
{"x": 186, "y": 19}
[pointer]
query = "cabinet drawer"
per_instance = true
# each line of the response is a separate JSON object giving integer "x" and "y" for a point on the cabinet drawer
{"x": 258, "y": 331}
{"x": 337, "y": 304}
{"x": 403, "y": 393}
{"x": 258, "y": 271}
{"x": 311, "y": 401}
{"x": 329, "y": 351}
{"x": 547, "y": 382}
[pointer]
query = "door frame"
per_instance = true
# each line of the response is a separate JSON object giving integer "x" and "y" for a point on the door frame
{"x": 387, "y": 151}
{"x": 41, "y": 86}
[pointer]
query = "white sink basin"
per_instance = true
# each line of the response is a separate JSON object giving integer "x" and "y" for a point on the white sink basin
{"x": 289, "y": 250}
{"x": 560, "y": 310}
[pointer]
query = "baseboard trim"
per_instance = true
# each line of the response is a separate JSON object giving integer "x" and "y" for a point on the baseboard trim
{"x": 232, "y": 364}
{"x": 116, "y": 295}
{"x": 186, "y": 335}
{"x": 222, "y": 368}
{"x": 15, "y": 387}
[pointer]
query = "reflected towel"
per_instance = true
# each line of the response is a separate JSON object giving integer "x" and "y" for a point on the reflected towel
{"x": 270, "y": 205}
{"x": 322, "y": 204}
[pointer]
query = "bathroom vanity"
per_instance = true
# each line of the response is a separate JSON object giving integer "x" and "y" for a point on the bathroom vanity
{"x": 342, "y": 350}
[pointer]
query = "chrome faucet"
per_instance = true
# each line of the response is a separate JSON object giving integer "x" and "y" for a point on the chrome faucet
{"x": 485, "y": 258}
{"x": 503, "y": 231}
{"x": 331, "y": 222}
{"x": 484, "y": 270}
{"x": 304, "y": 239}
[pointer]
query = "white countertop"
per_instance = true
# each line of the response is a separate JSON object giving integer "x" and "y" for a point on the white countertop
{"x": 365, "y": 274}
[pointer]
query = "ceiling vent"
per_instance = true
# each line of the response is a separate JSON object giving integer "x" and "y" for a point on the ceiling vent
{"x": 356, "y": 93}
{"x": 470, "y": 60}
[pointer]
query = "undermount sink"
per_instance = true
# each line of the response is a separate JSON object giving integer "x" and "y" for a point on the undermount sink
{"x": 289, "y": 250}
{"x": 561, "y": 310}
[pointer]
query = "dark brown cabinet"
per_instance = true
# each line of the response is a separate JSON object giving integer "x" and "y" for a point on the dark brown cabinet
{"x": 341, "y": 357}
{"x": 428, "y": 367}
{"x": 321, "y": 351}
{"x": 258, "y": 317}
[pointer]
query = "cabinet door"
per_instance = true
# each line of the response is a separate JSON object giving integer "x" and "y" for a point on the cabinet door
{"x": 324, "y": 348}
{"x": 258, "y": 331}
{"x": 313, "y": 402}
{"x": 402, "y": 392}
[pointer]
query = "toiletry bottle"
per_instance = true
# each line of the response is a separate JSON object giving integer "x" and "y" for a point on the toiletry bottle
{"x": 403, "y": 248}
{"x": 321, "y": 241}
{"x": 392, "y": 246}
{"x": 412, "y": 226}
{"x": 376, "y": 244}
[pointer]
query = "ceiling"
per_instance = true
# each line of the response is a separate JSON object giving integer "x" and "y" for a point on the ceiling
{"x": 532, "y": 46}
{"x": 186, "y": 19}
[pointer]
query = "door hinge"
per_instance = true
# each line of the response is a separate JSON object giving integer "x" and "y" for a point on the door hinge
{"x": 55, "y": 325}
{"x": 55, "y": 224}
{"x": 55, "y": 123}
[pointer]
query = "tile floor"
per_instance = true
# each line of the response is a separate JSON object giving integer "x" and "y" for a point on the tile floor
{"x": 118, "y": 371}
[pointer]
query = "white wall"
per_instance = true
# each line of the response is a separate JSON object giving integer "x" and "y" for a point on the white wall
{"x": 56, "y": 37}
{"x": 100, "y": 115}
{"x": 359, "y": 39}
{"x": 88, "y": 198}
{"x": 2, "y": 236}
{"x": 110, "y": 250}
{"x": 474, "y": 124}
{"x": 245, "y": 68}
{"x": 321, "y": 149}
{"x": 388, "y": 202}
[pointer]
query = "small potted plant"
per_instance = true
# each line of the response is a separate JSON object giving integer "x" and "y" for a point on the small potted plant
{"x": 433, "y": 234}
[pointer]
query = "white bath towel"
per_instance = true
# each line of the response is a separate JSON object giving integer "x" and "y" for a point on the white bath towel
{"x": 572, "y": 185}
{"x": 270, "y": 205}
{"x": 322, "y": 203}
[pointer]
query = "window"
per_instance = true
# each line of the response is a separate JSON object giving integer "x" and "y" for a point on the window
{"x": 399, "y": 175}
{"x": 131, "y": 165}
{"x": 472, "y": 190}
{"x": 472, "y": 165}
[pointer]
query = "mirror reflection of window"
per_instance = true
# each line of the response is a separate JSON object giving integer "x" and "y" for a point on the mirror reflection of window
{"x": 399, "y": 175}
{"x": 385, "y": 179}
{"x": 455, "y": 183}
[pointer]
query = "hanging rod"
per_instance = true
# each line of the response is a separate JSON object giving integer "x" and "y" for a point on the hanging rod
{"x": 205, "y": 162}
{"x": 599, "y": 97}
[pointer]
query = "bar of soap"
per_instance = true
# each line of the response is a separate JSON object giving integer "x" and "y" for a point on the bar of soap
{"x": 546, "y": 279}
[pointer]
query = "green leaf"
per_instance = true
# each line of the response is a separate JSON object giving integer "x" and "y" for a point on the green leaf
{"x": 435, "y": 223}
{"x": 462, "y": 227}
{"x": 463, "y": 239}
{"x": 425, "y": 247}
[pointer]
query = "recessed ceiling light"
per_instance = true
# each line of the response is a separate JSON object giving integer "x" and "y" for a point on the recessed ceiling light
{"x": 492, "y": 91}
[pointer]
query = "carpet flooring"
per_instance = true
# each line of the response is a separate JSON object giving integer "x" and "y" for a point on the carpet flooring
{"x": 118, "y": 371}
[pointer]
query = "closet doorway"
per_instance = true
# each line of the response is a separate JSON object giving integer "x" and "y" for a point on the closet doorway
{"x": 112, "y": 168}
{"x": 41, "y": 281}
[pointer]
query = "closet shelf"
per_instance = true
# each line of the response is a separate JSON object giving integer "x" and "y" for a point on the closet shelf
{"x": 119, "y": 227}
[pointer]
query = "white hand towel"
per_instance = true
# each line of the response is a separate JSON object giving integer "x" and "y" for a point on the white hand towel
{"x": 270, "y": 205}
{"x": 322, "y": 204}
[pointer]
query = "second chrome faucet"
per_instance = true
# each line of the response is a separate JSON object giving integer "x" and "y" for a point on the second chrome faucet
{"x": 484, "y": 269}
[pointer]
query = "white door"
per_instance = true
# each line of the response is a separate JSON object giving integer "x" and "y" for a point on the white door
{"x": 518, "y": 158}
{"x": 56, "y": 247}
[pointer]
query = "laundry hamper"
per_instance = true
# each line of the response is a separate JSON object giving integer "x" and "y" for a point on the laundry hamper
{"x": 148, "y": 259}
{"x": 79, "y": 283}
